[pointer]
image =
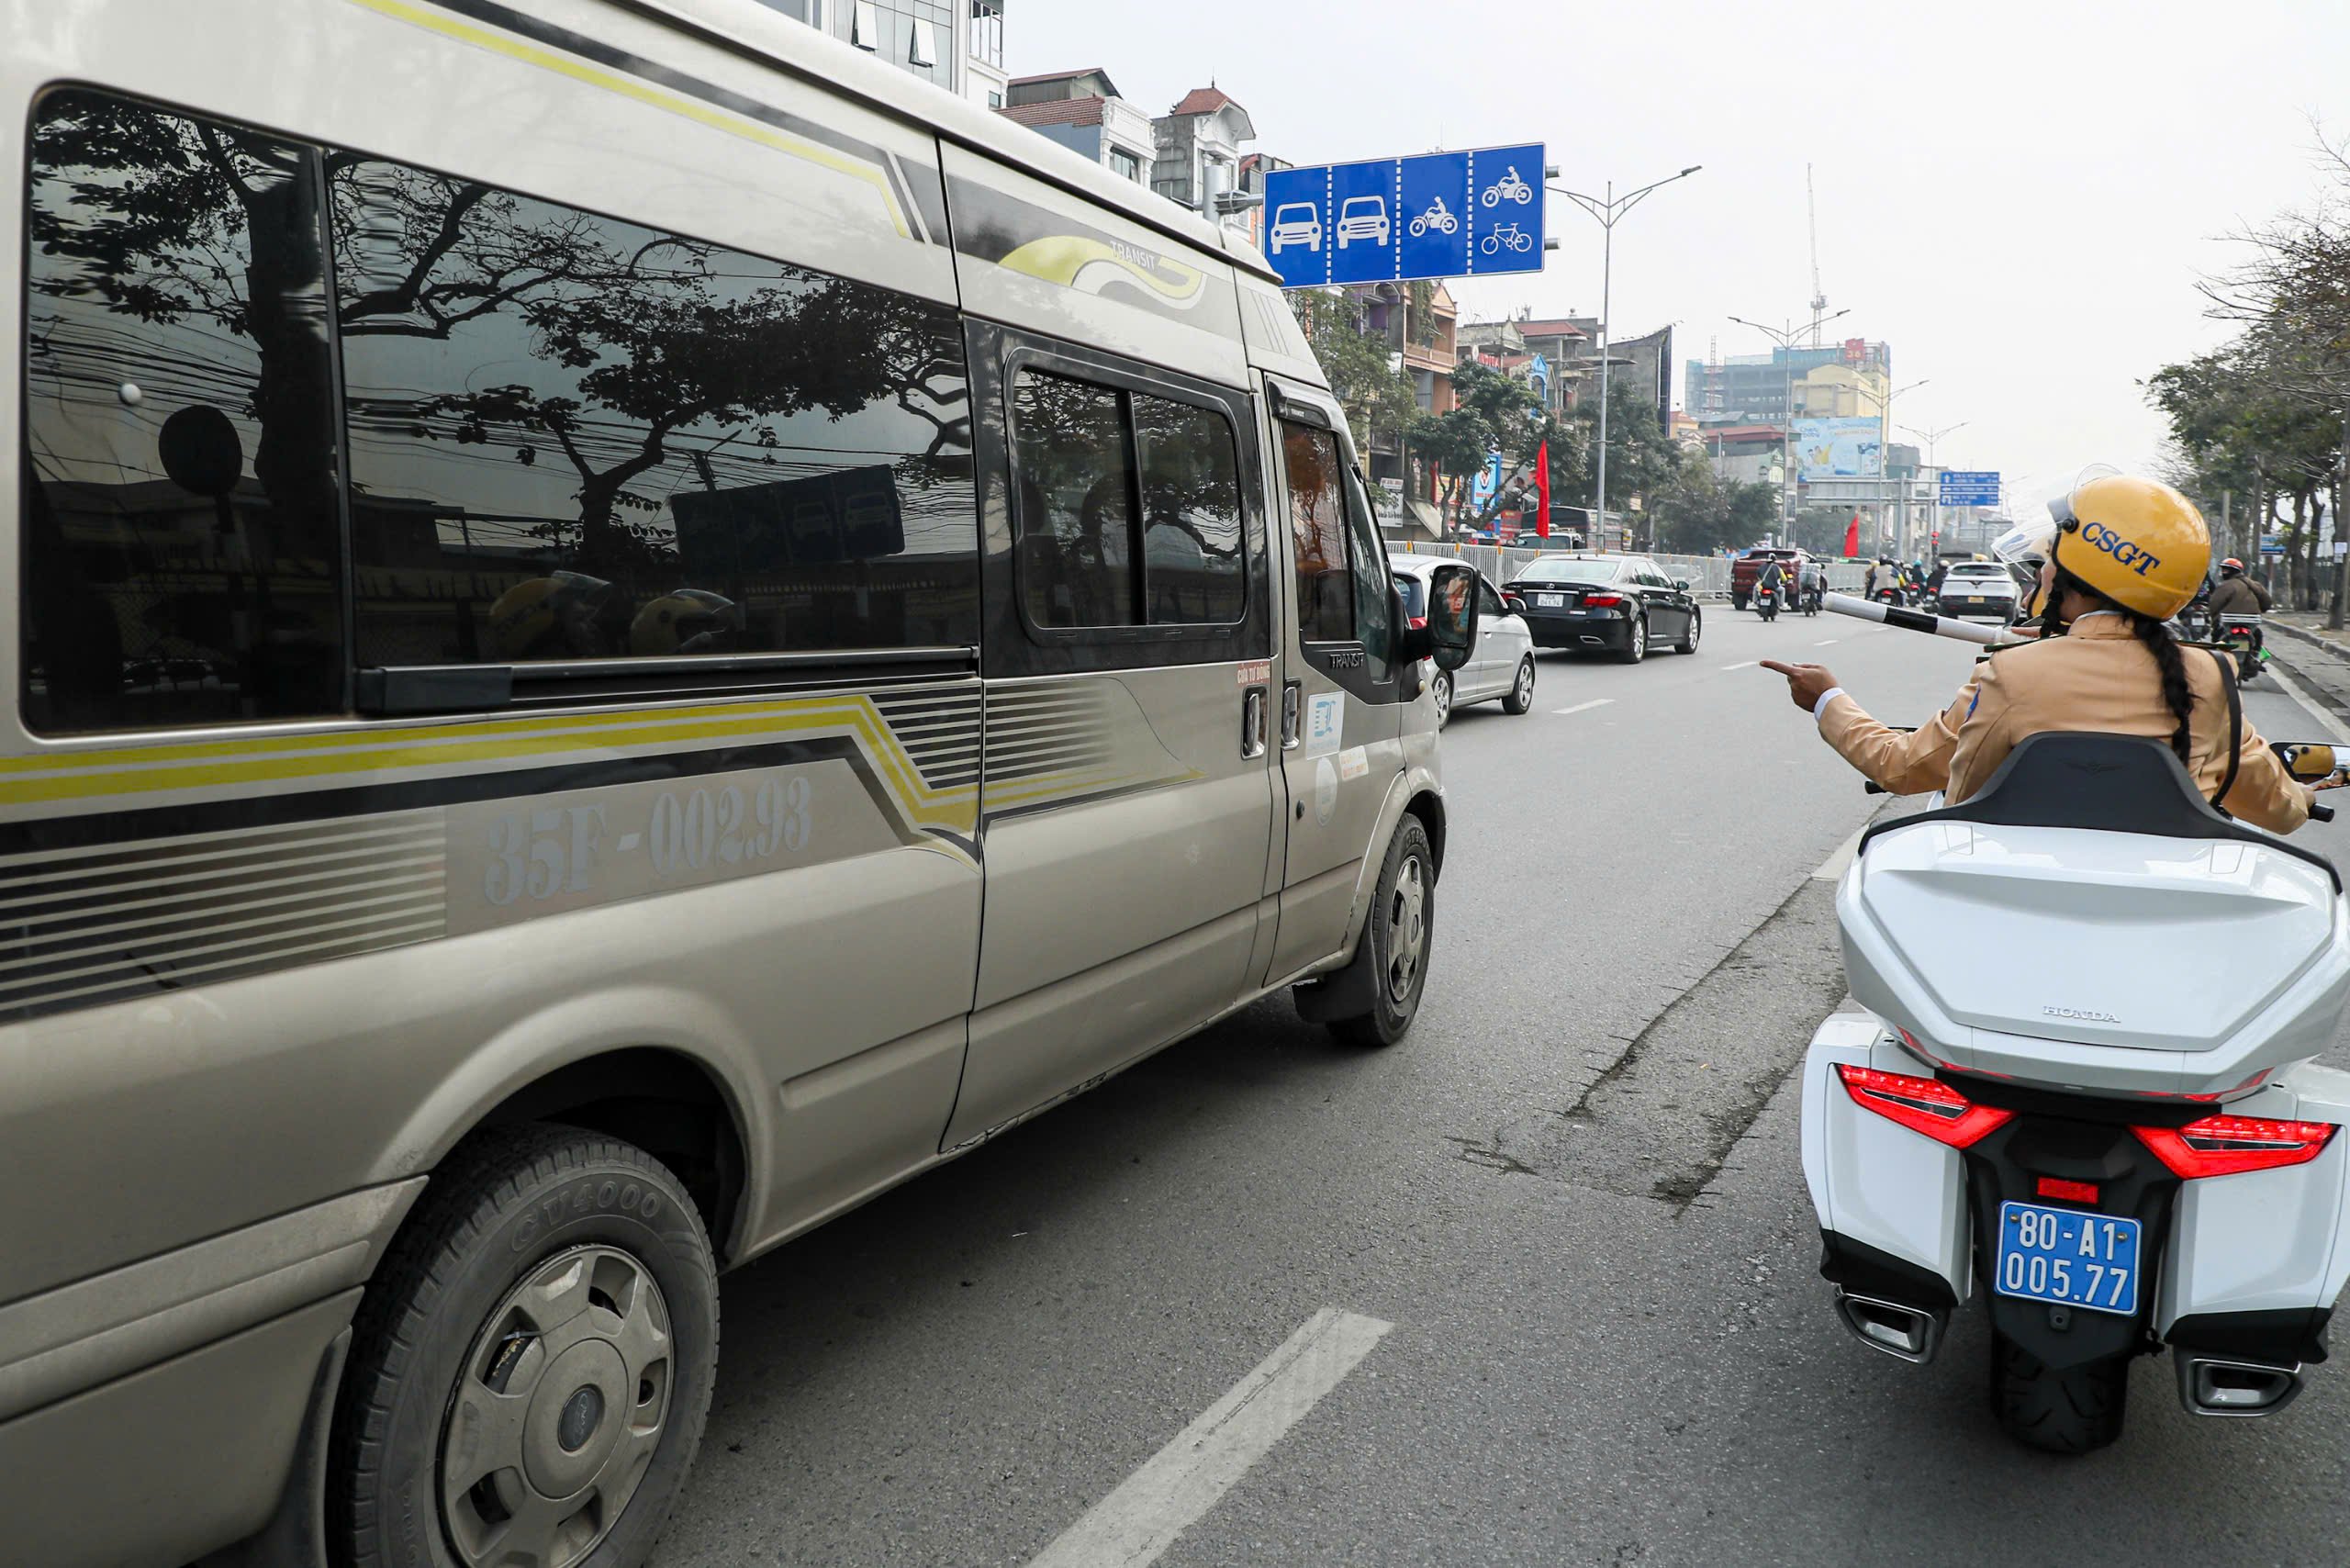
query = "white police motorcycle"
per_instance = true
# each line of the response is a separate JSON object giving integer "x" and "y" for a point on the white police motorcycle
{"x": 2082, "y": 1089}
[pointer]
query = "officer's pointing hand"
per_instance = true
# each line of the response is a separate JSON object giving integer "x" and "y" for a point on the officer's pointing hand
{"x": 1805, "y": 683}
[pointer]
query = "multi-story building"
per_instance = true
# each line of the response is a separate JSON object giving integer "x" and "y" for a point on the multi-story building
{"x": 1839, "y": 391}
{"x": 1083, "y": 111}
{"x": 931, "y": 39}
{"x": 1198, "y": 145}
{"x": 1754, "y": 386}
{"x": 985, "y": 81}
{"x": 1568, "y": 346}
{"x": 1428, "y": 345}
{"x": 1254, "y": 167}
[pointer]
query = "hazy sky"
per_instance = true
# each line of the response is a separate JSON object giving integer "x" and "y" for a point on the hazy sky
{"x": 2019, "y": 198}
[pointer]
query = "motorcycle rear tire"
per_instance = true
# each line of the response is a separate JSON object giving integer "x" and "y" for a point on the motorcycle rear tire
{"x": 2077, "y": 1409}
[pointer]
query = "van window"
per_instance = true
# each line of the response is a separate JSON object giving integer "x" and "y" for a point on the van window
{"x": 1193, "y": 567}
{"x": 182, "y": 529}
{"x": 1374, "y": 603}
{"x": 1084, "y": 453}
{"x": 1076, "y": 565}
{"x": 573, "y": 437}
{"x": 1318, "y": 527}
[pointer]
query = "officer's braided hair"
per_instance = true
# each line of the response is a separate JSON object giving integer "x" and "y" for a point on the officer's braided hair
{"x": 2177, "y": 695}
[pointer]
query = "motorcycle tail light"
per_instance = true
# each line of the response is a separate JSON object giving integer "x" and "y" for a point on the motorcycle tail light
{"x": 1924, "y": 1105}
{"x": 2064, "y": 1190}
{"x": 2223, "y": 1145}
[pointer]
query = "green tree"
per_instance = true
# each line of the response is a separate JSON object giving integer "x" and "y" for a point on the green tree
{"x": 1358, "y": 364}
{"x": 1641, "y": 458}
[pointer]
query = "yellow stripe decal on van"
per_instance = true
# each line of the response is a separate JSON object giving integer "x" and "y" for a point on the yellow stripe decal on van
{"x": 281, "y": 759}
{"x": 669, "y": 103}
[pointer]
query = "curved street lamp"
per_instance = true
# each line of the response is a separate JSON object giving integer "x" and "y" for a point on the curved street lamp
{"x": 1609, "y": 210}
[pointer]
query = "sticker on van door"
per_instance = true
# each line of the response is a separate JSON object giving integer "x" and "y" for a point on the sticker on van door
{"x": 1325, "y": 722}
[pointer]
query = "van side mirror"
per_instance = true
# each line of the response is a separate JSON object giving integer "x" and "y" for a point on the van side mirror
{"x": 1451, "y": 629}
{"x": 1681, "y": 584}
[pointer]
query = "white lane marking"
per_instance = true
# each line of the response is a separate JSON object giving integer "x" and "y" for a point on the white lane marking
{"x": 1828, "y": 642}
{"x": 1743, "y": 663}
{"x": 1832, "y": 868}
{"x": 1584, "y": 707}
{"x": 2325, "y": 725}
{"x": 1182, "y": 1481}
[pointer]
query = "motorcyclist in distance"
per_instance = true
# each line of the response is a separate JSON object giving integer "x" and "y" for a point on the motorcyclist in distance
{"x": 2237, "y": 594}
{"x": 2124, "y": 556}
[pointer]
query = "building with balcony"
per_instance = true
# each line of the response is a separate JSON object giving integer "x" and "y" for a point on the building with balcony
{"x": 1083, "y": 111}
{"x": 985, "y": 81}
{"x": 1198, "y": 145}
{"x": 931, "y": 39}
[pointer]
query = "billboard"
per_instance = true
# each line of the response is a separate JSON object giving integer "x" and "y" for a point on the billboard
{"x": 1839, "y": 448}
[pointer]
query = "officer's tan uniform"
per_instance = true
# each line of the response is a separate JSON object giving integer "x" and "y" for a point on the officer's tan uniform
{"x": 2098, "y": 677}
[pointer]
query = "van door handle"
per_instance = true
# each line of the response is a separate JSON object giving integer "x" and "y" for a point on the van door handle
{"x": 1252, "y": 722}
{"x": 1293, "y": 714}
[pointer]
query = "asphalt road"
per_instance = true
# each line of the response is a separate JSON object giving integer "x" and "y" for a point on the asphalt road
{"x": 1573, "y": 1191}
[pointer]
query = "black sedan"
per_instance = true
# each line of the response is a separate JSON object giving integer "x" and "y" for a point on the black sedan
{"x": 1616, "y": 604}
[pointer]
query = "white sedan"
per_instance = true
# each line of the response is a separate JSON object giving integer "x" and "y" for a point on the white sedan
{"x": 1978, "y": 588}
{"x": 1501, "y": 667}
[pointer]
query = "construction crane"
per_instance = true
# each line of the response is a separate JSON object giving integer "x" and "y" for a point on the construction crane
{"x": 1819, "y": 298}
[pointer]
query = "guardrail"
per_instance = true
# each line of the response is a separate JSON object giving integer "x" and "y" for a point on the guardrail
{"x": 1707, "y": 576}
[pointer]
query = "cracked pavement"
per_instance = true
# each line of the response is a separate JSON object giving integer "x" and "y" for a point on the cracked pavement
{"x": 1574, "y": 1189}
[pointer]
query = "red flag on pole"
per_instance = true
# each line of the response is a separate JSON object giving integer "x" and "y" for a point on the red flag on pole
{"x": 1542, "y": 491}
{"x": 1852, "y": 537}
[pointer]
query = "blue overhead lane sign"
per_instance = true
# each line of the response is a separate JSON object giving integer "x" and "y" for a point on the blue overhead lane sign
{"x": 1437, "y": 215}
{"x": 1970, "y": 487}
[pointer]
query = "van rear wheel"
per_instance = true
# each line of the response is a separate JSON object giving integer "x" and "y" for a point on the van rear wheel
{"x": 1397, "y": 936}
{"x": 531, "y": 1365}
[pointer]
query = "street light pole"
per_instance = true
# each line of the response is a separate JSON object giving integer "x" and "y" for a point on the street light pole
{"x": 1609, "y": 210}
{"x": 1931, "y": 439}
{"x": 1784, "y": 337}
{"x": 1884, "y": 469}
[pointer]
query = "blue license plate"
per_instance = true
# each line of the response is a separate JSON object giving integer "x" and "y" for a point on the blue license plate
{"x": 2068, "y": 1258}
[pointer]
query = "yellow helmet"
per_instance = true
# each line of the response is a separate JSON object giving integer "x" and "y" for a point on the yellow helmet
{"x": 537, "y": 615}
{"x": 689, "y": 620}
{"x": 2137, "y": 542}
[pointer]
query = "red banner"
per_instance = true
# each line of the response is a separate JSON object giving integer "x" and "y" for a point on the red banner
{"x": 1542, "y": 491}
{"x": 1852, "y": 537}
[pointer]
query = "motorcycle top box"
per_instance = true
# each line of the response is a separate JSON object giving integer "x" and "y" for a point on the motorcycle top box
{"x": 2175, "y": 952}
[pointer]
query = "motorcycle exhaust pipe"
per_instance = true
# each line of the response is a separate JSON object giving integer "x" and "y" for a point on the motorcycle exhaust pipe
{"x": 1915, "y": 620}
{"x": 2221, "y": 1385}
{"x": 1908, "y": 1333}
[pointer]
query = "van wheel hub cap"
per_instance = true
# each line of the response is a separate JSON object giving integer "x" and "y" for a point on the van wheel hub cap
{"x": 557, "y": 1413}
{"x": 1407, "y": 929}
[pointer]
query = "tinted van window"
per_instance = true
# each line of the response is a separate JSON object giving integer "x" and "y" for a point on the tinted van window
{"x": 1194, "y": 565}
{"x": 1076, "y": 467}
{"x": 181, "y": 528}
{"x": 573, "y": 437}
{"x": 1318, "y": 528}
{"x": 1084, "y": 453}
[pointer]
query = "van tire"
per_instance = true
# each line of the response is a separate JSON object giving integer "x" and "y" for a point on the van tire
{"x": 1401, "y": 918}
{"x": 497, "y": 1221}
